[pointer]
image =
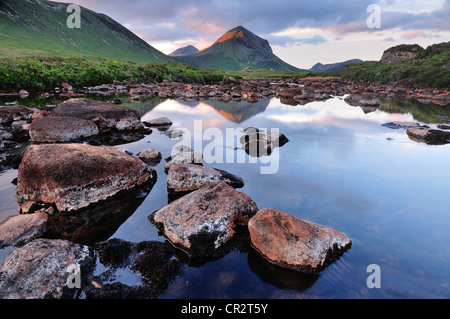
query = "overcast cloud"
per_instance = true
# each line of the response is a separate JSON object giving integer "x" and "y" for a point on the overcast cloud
{"x": 203, "y": 21}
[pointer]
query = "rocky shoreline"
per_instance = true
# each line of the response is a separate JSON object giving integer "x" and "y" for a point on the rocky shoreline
{"x": 74, "y": 190}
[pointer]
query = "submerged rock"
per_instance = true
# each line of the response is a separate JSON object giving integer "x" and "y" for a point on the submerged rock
{"x": 41, "y": 270}
{"x": 293, "y": 243}
{"x": 183, "y": 178}
{"x": 151, "y": 263}
{"x": 398, "y": 125}
{"x": 204, "y": 220}
{"x": 74, "y": 176}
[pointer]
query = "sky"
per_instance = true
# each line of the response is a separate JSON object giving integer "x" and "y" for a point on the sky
{"x": 301, "y": 32}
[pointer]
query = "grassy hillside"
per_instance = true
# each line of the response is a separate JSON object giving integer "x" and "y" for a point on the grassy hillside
{"x": 40, "y": 74}
{"x": 38, "y": 28}
{"x": 430, "y": 68}
{"x": 235, "y": 50}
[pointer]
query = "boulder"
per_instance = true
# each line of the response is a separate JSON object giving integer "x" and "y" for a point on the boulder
{"x": 41, "y": 270}
{"x": 295, "y": 244}
{"x": 184, "y": 157}
{"x": 184, "y": 178}
{"x": 74, "y": 176}
{"x": 150, "y": 156}
{"x": 161, "y": 121}
{"x": 429, "y": 136}
{"x": 61, "y": 129}
{"x": 259, "y": 143}
{"x": 107, "y": 116}
{"x": 204, "y": 220}
{"x": 14, "y": 113}
{"x": 21, "y": 229}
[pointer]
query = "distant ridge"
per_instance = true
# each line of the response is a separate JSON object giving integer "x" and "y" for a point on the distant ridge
{"x": 235, "y": 50}
{"x": 188, "y": 50}
{"x": 39, "y": 28}
{"x": 319, "y": 67}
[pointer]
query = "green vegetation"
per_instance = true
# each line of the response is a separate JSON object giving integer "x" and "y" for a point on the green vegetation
{"x": 39, "y": 28}
{"x": 429, "y": 69}
{"x": 40, "y": 73}
{"x": 425, "y": 113}
{"x": 248, "y": 73}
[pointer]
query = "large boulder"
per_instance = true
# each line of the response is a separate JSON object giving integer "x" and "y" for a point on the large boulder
{"x": 42, "y": 269}
{"x": 293, "y": 243}
{"x": 61, "y": 129}
{"x": 74, "y": 176}
{"x": 204, "y": 220}
{"x": 184, "y": 178}
{"x": 107, "y": 116}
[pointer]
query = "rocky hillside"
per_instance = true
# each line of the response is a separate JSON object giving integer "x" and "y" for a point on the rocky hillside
{"x": 409, "y": 65}
{"x": 39, "y": 28}
{"x": 235, "y": 50}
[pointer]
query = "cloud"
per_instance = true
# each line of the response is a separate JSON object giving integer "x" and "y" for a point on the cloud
{"x": 413, "y": 34}
{"x": 208, "y": 19}
{"x": 389, "y": 39}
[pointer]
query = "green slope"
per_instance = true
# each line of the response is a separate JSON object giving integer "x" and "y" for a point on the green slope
{"x": 430, "y": 68}
{"x": 235, "y": 50}
{"x": 38, "y": 28}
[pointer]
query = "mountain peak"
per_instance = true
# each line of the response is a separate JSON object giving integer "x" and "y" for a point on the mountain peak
{"x": 234, "y": 33}
{"x": 188, "y": 50}
{"x": 236, "y": 49}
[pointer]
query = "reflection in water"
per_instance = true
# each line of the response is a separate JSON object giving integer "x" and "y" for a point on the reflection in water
{"x": 342, "y": 169}
{"x": 98, "y": 222}
{"x": 239, "y": 112}
{"x": 280, "y": 277}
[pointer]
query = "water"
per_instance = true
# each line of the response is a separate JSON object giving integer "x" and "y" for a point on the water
{"x": 341, "y": 169}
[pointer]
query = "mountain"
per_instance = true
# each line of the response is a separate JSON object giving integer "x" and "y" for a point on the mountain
{"x": 319, "y": 67}
{"x": 39, "y": 28}
{"x": 189, "y": 50}
{"x": 235, "y": 50}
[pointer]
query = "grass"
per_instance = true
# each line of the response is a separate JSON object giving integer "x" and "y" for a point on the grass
{"x": 36, "y": 74}
{"x": 267, "y": 74}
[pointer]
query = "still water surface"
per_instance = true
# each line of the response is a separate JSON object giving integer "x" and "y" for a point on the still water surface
{"x": 342, "y": 169}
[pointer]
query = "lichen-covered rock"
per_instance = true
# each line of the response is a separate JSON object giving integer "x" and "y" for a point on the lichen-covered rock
{"x": 41, "y": 270}
{"x": 183, "y": 177}
{"x": 107, "y": 116}
{"x": 74, "y": 176}
{"x": 204, "y": 220}
{"x": 150, "y": 156}
{"x": 184, "y": 157}
{"x": 60, "y": 129}
{"x": 21, "y": 229}
{"x": 293, "y": 243}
